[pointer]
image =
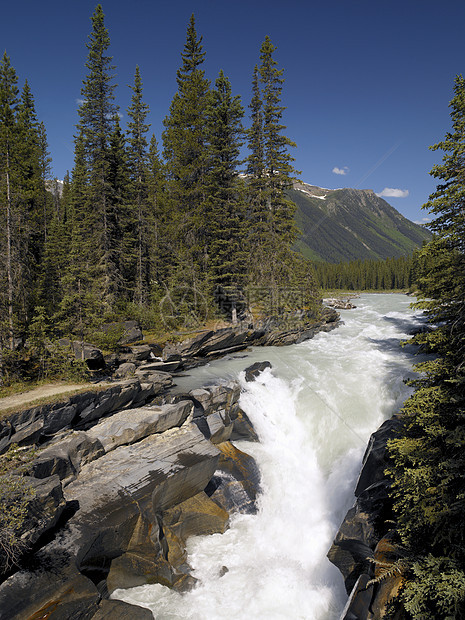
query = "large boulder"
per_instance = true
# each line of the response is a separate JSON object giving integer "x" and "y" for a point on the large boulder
{"x": 86, "y": 352}
{"x": 253, "y": 371}
{"x": 65, "y": 456}
{"x": 375, "y": 459}
{"x": 132, "y": 425}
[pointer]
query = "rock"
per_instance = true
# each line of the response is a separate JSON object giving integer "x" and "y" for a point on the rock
{"x": 210, "y": 343}
{"x": 353, "y": 545}
{"x": 197, "y": 516}
{"x": 131, "y": 425}
{"x": 216, "y": 398}
{"x": 52, "y": 589}
{"x": 144, "y": 560}
{"x": 358, "y": 605}
{"x": 132, "y": 332}
{"x": 339, "y": 304}
{"x": 243, "y": 428}
{"x": 252, "y": 372}
{"x": 153, "y": 367}
{"x": 128, "y": 331}
{"x": 44, "y": 509}
{"x": 65, "y": 456}
{"x": 236, "y": 482}
{"x": 219, "y": 426}
{"x": 125, "y": 371}
{"x": 160, "y": 380}
{"x": 143, "y": 352}
{"x": 374, "y": 460}
{"x": 28, "y": 435}
{"x": 85, "y": 351}
{"x": 119, "y": 610}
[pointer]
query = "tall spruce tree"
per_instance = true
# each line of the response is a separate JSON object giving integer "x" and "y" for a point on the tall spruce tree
{"x": 138, "y": 161}
{"x": 270, "y": 171}
{"x": 96, "y": 114}
{"x": 187, "y": 159}
{"x": 8, "y": 168}
{"x": 225, "y": 207}
{"x": 277, "y": 159}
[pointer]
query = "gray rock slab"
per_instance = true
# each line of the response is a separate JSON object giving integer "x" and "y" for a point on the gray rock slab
{"x": 161, "y": 470}
{"x": 131, "y": 425}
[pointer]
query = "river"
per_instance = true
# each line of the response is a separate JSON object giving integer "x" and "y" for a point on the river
{"x": 314, "y": 412}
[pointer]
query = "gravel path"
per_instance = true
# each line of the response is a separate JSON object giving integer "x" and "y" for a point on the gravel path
{"x": 51, "y": 389}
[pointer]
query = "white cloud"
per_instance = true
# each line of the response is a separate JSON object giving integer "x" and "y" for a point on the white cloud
{"x": 391, "y": 192}
{"x": 423, "y": 221}
{"x": 343, "y": 170}
{"x": 80, "y": 101}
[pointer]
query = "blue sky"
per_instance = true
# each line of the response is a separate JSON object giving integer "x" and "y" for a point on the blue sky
{"x": 367, "y": 82}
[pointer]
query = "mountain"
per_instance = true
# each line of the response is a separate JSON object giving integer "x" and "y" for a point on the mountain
{"x": 348, "y": 224}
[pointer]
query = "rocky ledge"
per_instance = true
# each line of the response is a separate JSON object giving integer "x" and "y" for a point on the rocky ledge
{"x": 364, "y": 542}
{"x": 119, "y": 486}
{"x": 141, "y": 360}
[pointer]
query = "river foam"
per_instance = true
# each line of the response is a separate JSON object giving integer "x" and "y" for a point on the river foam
{"x": 314, "y": 412}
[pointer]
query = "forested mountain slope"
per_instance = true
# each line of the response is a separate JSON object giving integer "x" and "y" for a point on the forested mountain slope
{"x": 349, "y": 224}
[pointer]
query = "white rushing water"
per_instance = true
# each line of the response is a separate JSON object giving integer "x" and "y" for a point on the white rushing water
{"x": 314, "y": 412}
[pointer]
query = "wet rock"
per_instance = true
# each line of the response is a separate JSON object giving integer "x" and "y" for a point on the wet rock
{"x": 119, "y": 610}
{"x": 197, "y": 516}
{"x": 358, "y": 604}
{"x": 236, "y": 482}
{"x": 219, "y": 426}
{"x": 243, "y": 428}
{"x": 353, "y": 546}
{"x": 374, "y": 461}
{"x": 216, "y": 398}
{"x": 252, "y": 372}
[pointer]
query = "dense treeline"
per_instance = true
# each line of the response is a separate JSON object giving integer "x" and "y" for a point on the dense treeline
{"x": 428, "y": 458}
{"x": 362, "y": 275}
{"x": 137, "y": 223}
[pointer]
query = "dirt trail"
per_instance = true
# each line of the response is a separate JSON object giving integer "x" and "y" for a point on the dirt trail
{"x": 44, "y": 391}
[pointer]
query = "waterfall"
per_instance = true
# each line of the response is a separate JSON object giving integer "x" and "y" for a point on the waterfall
{"x": 314, "y": 412}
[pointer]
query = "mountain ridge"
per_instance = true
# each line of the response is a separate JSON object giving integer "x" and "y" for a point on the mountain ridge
{"x": 348, "y": 224}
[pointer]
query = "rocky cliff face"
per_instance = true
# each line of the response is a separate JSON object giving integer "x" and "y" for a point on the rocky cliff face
{"x": 364, "y": 544}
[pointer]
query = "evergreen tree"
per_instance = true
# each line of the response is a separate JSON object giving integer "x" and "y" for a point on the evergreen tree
{"x": 226, "y": 214}
{"x": 8, "y": 143}
{"x": 270, "y": 168}
{"x": 138, "y": 166}
{"x": 277, "y": 160}
{"x": 161, "y": 249}
{"x": 187, "y": 159}
{"x": 96, "y": 113}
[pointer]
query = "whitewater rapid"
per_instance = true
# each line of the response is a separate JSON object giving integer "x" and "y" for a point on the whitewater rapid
{"x": 314, "y": 412}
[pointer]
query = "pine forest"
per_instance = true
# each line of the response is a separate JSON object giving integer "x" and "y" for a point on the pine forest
{"x": 139, "y": 223}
